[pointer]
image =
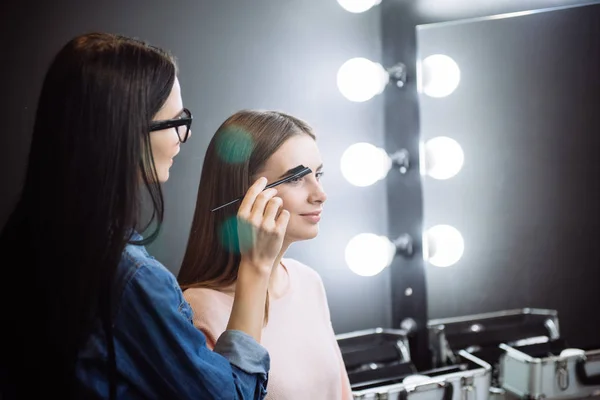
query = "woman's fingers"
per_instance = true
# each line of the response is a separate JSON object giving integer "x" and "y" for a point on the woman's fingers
{"x": 253, "y": 192}
{"x": 271, "y": 211}
{"x": 282, "y": 221}
{"x": 260, "y": 204}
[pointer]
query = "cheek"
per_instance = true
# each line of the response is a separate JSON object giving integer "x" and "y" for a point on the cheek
{"x": 163, "y": 142}
{"x": 156, "y": 144}
{"x": 289, "y": 201}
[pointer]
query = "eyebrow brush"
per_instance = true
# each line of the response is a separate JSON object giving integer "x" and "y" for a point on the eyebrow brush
{"x": 294, "y": 173}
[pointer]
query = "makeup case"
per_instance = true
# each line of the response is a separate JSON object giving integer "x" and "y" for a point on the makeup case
{"x": 468, "y": 379}
{"x": 550, "y": 371}
{"x": 481, "y": 334}
{"x": 367, "y": 352}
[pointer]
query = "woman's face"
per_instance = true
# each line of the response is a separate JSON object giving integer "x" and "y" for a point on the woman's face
{"x": 165, "y": 143}
{"x": 303, "y": 197}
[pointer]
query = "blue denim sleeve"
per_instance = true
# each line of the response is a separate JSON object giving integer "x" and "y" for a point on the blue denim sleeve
{"x": 165, "y": 356}
{"x": 242, "y": 351}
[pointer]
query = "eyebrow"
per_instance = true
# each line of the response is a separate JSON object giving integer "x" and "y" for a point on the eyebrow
{"x": 289, "y": 171}
{"x": 178, "y": 114}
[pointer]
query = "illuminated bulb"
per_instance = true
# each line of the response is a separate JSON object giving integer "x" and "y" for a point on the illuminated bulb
{"x": 439, "y": 76}
{"x": 443, "y": 245}
{"x": 358, "y": 6}
{"x": 368, "y": 254}
{"x": 359, "y": 79}
{"x": 363, "y": 164}
{"x": 442, "y": 158}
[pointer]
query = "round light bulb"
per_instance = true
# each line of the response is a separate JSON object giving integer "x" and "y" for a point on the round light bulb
{"x": 358, "y": 6}
{"x": 443, "y": 157}
{"x": 359, "y": 79}
{"x": 443, "y": 245}
{"x": 439, "y": 76}
{"x": 363, "y": 164}
{"x": 368, "y": 254}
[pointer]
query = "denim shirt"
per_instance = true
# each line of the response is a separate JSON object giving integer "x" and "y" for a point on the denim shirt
{"x": 159, "y": 352}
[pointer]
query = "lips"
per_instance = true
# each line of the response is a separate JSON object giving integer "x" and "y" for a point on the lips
{"x": 175, "y": 155}
{"x": 315, "y": 214}
{"x": 313, "y": 217}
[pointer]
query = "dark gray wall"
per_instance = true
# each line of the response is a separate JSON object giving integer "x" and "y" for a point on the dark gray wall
{"x": 233, "y": 54}
{"x": 525, "y": 113}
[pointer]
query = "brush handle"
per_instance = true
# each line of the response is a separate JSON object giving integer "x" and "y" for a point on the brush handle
{"x": 302, "y": 172}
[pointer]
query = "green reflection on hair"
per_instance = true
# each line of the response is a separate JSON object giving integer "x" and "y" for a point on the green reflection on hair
{"x": 234, "y": 145}
{"x": 236, "y": 234}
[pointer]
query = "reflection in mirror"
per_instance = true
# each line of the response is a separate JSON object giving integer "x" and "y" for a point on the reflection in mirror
{"x": 504, "y": 204}
{"x": 439, "y": 75}
{"x": 509, "y": 139}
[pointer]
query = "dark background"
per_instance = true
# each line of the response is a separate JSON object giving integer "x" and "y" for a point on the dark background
{"x": 233, "y": 54}
{"x": 523, "y": 201}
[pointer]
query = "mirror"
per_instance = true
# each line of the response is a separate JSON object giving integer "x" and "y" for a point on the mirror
{"x": 510, "y": 142}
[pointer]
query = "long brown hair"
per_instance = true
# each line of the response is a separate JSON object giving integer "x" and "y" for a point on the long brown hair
{"x": 237, "y": 152}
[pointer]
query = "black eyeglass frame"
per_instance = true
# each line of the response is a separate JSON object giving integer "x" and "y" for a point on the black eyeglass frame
{"x": 175, "y": 123}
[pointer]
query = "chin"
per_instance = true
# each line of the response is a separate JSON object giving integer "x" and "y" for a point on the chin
{"x": 298, "y": 232}
{"x": 314, "y": 233}
{"x": 310, "y": 234}
{"x": 162, "y": 178}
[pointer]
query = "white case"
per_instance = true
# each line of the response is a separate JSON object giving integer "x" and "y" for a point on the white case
{"x": 471, "y": 384}
{"x": 552, "y": 377}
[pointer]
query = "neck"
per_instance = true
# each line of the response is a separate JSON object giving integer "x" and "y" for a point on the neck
{"x": 278, "y": 281}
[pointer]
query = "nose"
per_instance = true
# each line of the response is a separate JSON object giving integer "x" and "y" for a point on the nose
{"x": 317, "y": 195}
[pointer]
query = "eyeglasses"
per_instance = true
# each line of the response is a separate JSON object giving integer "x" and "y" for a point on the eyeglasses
{"x": 182, "y": 125}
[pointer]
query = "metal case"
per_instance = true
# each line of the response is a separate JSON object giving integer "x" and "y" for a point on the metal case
{"x": 366, "y": 353}
{"x": 469, "y": 379}
{"x": 540, "y": 372}
{"x": 487, "y": 330}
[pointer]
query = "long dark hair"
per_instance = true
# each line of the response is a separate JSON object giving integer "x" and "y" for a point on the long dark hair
{"x": 90, "y": 158}
{"x": 237, "y": 152}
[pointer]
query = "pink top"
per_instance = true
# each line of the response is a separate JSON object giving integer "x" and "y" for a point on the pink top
{"x": 306, "y": 363}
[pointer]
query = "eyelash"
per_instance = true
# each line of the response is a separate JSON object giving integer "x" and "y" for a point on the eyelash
{"x": 318, "y": 175}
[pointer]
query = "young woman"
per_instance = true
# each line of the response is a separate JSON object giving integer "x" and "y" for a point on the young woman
{"x": 97, "y": 316}
{"x": 306, "y": 361}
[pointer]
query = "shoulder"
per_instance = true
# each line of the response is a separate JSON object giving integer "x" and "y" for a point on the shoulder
{"x": 143, "y": 286}
{"x": 308, "y": 283}
{"x": 301, "y": 269}
{"x": 136, "y": 256}
{"x": 137, "y": 264}
{"x": 303, "y": 274}
{"x": 209, "y": 305}
{"x": 140, "y": 278}
{"x": 210, "y": 309}
{"x": 201, "y": 298}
